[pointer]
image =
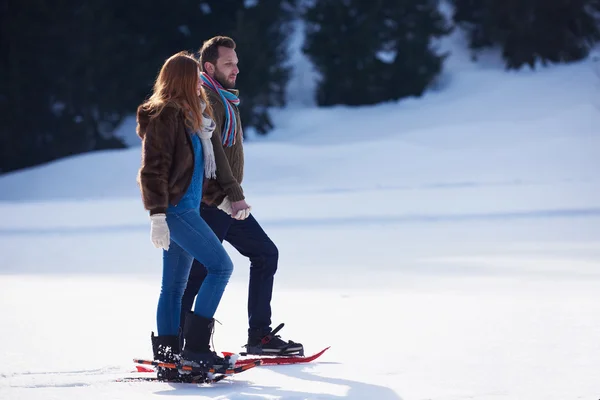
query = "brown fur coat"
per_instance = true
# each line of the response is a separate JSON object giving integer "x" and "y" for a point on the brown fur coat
{"x": 167, "y": 158}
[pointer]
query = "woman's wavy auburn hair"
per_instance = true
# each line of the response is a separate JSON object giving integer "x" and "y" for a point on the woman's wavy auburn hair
{"x": 176, "y": 83}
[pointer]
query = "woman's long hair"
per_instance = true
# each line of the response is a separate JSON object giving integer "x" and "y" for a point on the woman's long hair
{"x": 176, "y": 83}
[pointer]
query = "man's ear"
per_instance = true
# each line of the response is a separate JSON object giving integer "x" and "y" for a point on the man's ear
{"x": 209, "y": 68}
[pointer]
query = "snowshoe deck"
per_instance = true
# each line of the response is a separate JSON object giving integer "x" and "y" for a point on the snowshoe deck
{"x": 201, "y": 375}
{"x": 241, "y": 365}
{"x": 282, "y": 359}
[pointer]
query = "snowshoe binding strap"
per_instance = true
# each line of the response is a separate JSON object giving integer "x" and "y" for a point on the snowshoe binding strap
{"x": 267, "y": 338}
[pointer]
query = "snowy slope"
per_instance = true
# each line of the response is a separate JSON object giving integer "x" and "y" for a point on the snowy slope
{"x": 446, "y": 247}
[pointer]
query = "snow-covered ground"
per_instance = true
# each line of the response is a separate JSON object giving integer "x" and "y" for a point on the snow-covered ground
{"x": 446, "y": 248}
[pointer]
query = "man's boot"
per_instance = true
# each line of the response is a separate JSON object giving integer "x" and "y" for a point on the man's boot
{"x": 270, "y": 343}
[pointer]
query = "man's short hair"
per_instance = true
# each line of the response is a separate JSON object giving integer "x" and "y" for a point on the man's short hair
{"x": 209, "y": 52}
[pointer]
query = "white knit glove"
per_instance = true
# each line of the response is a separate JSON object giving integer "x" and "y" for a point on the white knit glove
{"x": 159, "y": 231}
{"x": 225, "y": 205}
{"x": 240, "y": 210}
{"x": 229, "y": 208}
{"x": 243, "y": 214}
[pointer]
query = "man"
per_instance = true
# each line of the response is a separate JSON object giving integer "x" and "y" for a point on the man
{"x": 224, "y": 207}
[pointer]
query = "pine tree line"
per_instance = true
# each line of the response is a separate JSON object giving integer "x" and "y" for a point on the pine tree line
{"x": 369, "y": 52}
{"x": 72, "y": 71}
{"x": 531, "y": 31}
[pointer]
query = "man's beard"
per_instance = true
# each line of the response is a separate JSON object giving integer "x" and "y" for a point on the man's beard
{"x": 222, "y": 79}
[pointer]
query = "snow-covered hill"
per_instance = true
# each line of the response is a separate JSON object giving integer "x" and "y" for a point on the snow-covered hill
{"x": 446, "y": 247}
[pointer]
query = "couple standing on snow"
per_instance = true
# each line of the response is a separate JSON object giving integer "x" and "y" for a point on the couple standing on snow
{"x": 190, "y": 179}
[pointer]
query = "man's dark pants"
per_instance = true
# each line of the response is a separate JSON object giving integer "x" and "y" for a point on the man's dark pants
{"x": 251, "y": 241}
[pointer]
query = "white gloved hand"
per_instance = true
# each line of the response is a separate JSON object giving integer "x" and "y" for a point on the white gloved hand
{"x": 243, "y": 214}
{"x": 225, "y": 205}
{"x": 159, "y": 231}
{"x": 240, "y": 210}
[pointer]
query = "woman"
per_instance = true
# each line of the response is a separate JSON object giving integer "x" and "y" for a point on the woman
{"x": 175, "y": 127}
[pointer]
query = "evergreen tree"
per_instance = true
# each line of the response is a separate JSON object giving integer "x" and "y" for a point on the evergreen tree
{"x": 531, "y": 31}
{"x": 474, "y": 17}
{"x": 369, "y": 52}
{"x": 72, "y": 71}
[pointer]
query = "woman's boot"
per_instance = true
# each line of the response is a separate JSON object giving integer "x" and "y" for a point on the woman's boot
{"x": 197, "y": 332}
{"x": 166, "y": 349}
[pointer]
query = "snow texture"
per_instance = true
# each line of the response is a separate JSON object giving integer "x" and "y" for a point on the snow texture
{"x": 446, "y": 247}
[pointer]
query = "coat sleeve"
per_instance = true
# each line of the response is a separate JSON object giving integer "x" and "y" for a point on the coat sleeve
{"x": 157, "y": 156}
{"x": 225, "y": 178}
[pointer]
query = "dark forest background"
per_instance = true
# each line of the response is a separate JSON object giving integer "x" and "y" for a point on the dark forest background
{"x": 71, "y": 71}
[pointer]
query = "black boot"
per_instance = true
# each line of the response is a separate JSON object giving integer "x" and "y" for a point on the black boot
{"x": 166, "y": 349}
{"x": 197, "y": 332}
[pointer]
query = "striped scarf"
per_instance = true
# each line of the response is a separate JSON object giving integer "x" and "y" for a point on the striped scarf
{"x": 229, "y": 99}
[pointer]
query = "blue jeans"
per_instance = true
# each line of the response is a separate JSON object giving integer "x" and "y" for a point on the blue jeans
{"x": 191, "y": 238}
